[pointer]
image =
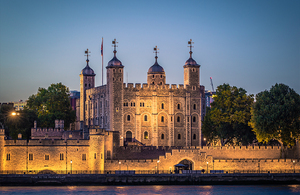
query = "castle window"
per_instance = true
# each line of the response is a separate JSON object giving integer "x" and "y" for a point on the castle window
{"x": 194, "y": 88}
{"x": 89, "y": 85}
{"x": 145, "y": 135}
{"x": 108, "y": 156}
{"x": 145, "y": 118}
{"x": 30, "y": 156}
{"x": 179, "y": 136}
{"x": 95, "y": 155}
{"x": 160, "y": 76}
{"x": 162, "y": 136}
{"x": 61, "y": 156}
{"x": 188, "y": 119}
{"x": 162, "y": 106}
{"x": 171, "y": 119}
{"x": 120, "y": 79}
{"x": 162, "y": 119}
{"x": 178, "y": 119}
{"x": 153, "y": 83}
{"x": 152, "y": 76}
{"x": 47, "y": 157}
{"x": 195, "y": 106}
{"x": 114, "y": 70}
{"x": 114, "y": 79}
{"x": 128, "y": 117}
{"x": 7, "y": 156}
{"x": 142, "y": 104}
{"x": 85, "y": 85}
{"x": 120, "y": 70}
{"x": 133, "y": 104}
{"x": 194, "y": 119}
{"x": 83, "y": 156}
{"x": 101, "y": 156}
{"x": 161, "y": 83}
{"x": 125, "y": 104}
{"x": 194, "y": 136}
{"x": 178, "y": 106}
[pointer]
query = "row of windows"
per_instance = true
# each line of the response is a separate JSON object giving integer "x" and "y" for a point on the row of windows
{"x": 162, "y": 119}
{"x": 146, "y": 136}
{"x": 161, "y": 76}
{"x": 61, "y": 156}
{"x": 132, "y": 104}
{"x": 142, "y": 104}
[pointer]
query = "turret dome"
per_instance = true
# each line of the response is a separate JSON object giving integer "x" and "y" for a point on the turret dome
{"x": 87, "y": 71}
{"x": 114, "y": 62}
{"x": 156, "y": 68}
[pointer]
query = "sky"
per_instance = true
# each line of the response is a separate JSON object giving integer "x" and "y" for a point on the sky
{"x": 252, "y": 44}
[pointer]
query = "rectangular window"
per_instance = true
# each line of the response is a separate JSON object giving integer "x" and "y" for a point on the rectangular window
{"x": 95, "y": 155}
{"x": 30, "y": 156}
{"x": 83, "y": 156}
{"x": 101, "y": 156}
{"x": 46, "y": 156}
{"x": 61, "y": 156}
{"x": 7, "y": 156}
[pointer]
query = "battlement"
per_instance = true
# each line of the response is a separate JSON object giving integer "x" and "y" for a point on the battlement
{"x": 139, "y": 86}
{"x": 33, "y": 130}
{"x": 97, "y": 131}
{"x": 2, "y": 132}
{"x": 240, "y": 148}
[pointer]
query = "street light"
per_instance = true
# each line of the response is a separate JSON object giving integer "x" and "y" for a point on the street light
{"x": 71, "y": 166}
{"x": 207, "y": 166}
{"x": 119, "y": 166}
{"x": 294, "y": 165}
{"x": 157, "y": 166}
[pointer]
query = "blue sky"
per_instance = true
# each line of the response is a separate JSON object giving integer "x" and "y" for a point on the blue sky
{"x": 249, "y": 44}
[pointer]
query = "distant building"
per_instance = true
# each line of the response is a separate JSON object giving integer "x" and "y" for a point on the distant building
{"x": 19, "y": 105}
{"x": 74, "y": 95}
{"x": 209, "y": 97}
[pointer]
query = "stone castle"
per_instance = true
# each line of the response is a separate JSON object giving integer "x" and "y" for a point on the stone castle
{"x": 149, "y": 127}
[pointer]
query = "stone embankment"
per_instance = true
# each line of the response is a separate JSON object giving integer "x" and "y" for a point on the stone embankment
{"x": 148, "y": 179}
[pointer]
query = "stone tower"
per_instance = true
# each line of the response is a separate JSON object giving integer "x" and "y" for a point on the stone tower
{"x": 156, "y": 74}
{"x": 87, "y": 81}
{"x": 2, "y": 152}
{"x": 115, "y": 93}
{"x": 191, "y": 71}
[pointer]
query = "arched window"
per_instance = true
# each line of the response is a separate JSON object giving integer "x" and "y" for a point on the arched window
{"x": 162, "y": 119}
{"x": 194, "y": 119}
{"x": 178, "y": 106}
{"x": 162, "y": 136}
{"x": 161, "y": 83}
{"x": 146, "y": 135}
{"x": 194, "y": 136}
{"x": 179, "y": 136}
{"x": 152, "y": 83}
{"x": 178, "y": 119}
{"x": 145, "y": 118}
{"x": 152, "y": 76}
{"x": 162, "y": 106}
{"x": 128, "y": 117}
{"x": 195, "y": 106}
{"x": 160, "y": 76}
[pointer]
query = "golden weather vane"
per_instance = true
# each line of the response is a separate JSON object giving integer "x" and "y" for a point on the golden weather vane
{"x": 87, "y": 55}
{"x": 114, "y": 42}
{"x": 155, "y": 51}
{"x": 190, "y": 46}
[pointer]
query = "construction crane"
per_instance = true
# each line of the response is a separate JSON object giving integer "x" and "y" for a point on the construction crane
{"x": 212, "y": 85}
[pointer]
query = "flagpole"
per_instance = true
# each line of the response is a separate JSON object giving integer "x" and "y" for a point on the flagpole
{"x": 102, "y": 58}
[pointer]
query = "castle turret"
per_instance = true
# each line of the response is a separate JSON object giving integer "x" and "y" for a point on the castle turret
{"x": 87, "y": 81}
{"x": 2, "y": 149}
{"x": 191, "y": 71}
{"x": 156, "y": 74}
{"x": 115, "y": 92}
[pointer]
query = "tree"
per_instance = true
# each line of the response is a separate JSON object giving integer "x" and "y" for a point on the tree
{"x": 51, "y": 104}
{"x": 227, "y": 120}
{"x": 276, "y": 115}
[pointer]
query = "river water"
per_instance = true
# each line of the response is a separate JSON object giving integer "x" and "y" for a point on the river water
{"x": 205, "y": 190}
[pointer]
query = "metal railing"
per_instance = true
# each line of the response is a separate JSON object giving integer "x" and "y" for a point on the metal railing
{"x": 130, "y": 172}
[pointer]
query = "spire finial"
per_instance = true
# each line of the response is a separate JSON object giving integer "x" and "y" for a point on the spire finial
{"x": 87, "y": 56}
{"x": 155, "y": 51}
{"x": 190, "y": 46}
{"x": 114, "y": 42}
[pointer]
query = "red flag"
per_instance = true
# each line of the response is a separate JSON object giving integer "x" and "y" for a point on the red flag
{"x": 102, "y": 47}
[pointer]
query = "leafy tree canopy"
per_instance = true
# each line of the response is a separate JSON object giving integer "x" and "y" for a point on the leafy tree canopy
{"x": 227, "y": 119}
{"x": 276, "y": 115}
{"x": 51, "y": 104}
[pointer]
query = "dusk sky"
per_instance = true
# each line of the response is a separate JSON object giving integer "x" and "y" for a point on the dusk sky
{"x": 249, "y": 44}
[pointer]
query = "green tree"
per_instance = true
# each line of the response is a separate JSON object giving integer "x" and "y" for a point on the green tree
{"x": 227, "y": 120}
{"x": 51, "y": 104}
{"x": 276, "y": 115}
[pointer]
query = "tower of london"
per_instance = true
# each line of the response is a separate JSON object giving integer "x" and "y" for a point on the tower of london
{"x": 154, "y": 113}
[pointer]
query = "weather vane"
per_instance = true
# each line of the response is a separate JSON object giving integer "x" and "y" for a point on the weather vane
{"x": 114, "y": 42}
{"x": 87, "y": 55}
{"x": 190, "y": 46}
{"x": 155, "y": 51}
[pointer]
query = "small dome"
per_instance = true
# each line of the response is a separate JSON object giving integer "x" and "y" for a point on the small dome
{"x": 156, "y": 68}
{"x": 114, "y": 62}
{"x": 88, "y": 71}
{"x": 191, "y": 61}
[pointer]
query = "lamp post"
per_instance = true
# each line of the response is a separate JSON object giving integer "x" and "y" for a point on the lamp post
{"x": 119, "y": 166}
{"x": 213, "y": 164}
{"x": 71, "y": 166}
{"x": 294, "y": 165}
{"x": 157, "y": 167}
{"x": 207, "y": 167}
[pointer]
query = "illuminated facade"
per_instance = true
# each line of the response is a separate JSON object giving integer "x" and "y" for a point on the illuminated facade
{"x": 154, "y": 114}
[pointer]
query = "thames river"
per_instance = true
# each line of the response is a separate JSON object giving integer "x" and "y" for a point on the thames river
{"x": 215, "y": 189}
